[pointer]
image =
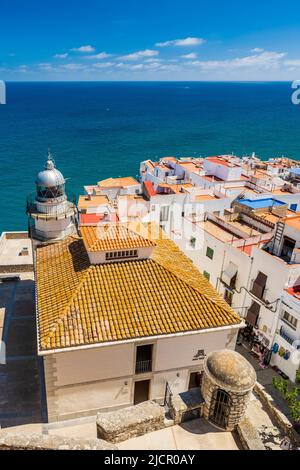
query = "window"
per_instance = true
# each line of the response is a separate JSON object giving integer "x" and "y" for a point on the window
{"x": 164, "y": 213}
{"x": 143, "y": 363}
{"x": 287, "y": 249}
{"x": 294, "y": 207}
{"x": 290, "y": 320}
{"x": 228, "y": 296}
{"x": 259, "y": 285}
{"x": 209, "y": 252}
{"x": 193, "y": 242}
{"x": 111, "y": 255}
{"x": 253, "y": 314}
{"x": 195, "y": 380}
{"x": 207, "y": 275}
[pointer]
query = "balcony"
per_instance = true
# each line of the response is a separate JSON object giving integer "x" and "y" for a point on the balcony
{"x": 143, "y": 367}
{"x": 57, "y": 208}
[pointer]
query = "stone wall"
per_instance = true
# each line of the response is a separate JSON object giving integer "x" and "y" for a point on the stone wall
{"x": 281, "y": 420}
{"x": 17, "y": 268}
{"x": 16, "y": 235}
{"x": 118, "y": 426}
{"x": 185, "y": 403}
{"x": 249, "y": 436}
{"x": 11, "y": 441}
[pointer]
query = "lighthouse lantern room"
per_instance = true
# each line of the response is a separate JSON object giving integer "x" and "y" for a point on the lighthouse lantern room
{"x": 52, "y": 215}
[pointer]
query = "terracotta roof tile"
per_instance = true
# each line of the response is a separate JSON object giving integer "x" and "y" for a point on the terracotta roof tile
{"x": 118, "y": 182}
{"x": 80, "y": 304}
{"x": 111, "y": 237}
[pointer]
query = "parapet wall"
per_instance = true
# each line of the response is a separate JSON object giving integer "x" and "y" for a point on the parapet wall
{"x": 16, "y": 268}
{"x": 134, "y": 421}
{"x": 12, "y": 441}
{"x": 281, "y": 420}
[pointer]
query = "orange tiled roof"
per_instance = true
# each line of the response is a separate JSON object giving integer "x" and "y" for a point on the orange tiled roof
{"x": 118, "y": 182}
{"x": 84, "y": 202}
{"x": 80, "y": 305}
{"x": 293, "y": 221}
{"x": 111, "y": 237}
{"x": 175, "y": 188}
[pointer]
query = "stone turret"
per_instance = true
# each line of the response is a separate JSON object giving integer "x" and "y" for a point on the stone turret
{"x": 226, "y": 388}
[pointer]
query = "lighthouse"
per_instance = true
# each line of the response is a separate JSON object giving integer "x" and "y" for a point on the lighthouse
{"x": 52, "y": 215}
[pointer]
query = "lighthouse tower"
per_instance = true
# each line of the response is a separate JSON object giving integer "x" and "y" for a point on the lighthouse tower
{"x": 52, "y": 216}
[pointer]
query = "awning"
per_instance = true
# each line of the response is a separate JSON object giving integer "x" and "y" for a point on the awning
{"x": 253, "y": 313}
{"x": 229, "y": 273}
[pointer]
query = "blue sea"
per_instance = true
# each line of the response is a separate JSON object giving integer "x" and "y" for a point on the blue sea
{"x": 102, "y": 129}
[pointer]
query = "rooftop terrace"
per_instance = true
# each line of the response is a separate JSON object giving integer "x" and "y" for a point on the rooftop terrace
{"x": 15, "y": 250}
{"x": 261, "y": 203}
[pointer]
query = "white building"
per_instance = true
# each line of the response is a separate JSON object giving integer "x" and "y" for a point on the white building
{"x": 275, "y": 283}
{"x": 113, "y": 311}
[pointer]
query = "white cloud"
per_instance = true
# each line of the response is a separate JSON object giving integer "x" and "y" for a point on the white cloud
{"x": 152, "y": 65}
{"x": 138, "y": 67}
{"x": 46, "y": 66}
{"x": 61, "y": 56}
{"x": 153, "y": 59}
{"x": 264, "y": 60}
{"x": 182, "y": 42}
{"x": 87, "y": 48}
{"x": 293, "y": 63}
{"x": 257, "y": 50}
{"x": 101, "y": 55}
{"x": 74, "y": 67}
{"x": 139, "y": 54}
{"x": 103, "y": 65}
{"x": 192, "y": 55}
{"x": 22, "y": 68}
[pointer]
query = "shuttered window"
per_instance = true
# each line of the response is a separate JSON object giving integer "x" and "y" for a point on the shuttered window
{"x": 253, "y": 313}
{"x": 259, "y": 285}
{"x": 210, "y": 253}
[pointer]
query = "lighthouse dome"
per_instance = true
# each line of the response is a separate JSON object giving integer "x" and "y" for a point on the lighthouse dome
{"x": 50, "y": 177}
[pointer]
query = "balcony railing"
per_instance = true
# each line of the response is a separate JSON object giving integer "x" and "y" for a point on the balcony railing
{"x": 49, "y": 211}
{"x": 142, "y": 367}
{"x": 49, "y": 235}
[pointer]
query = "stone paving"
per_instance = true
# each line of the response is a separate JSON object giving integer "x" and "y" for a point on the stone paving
{"x": 265, "y": 377}
{"x": 193, "y": 435}
{"x": 20, "y": 391}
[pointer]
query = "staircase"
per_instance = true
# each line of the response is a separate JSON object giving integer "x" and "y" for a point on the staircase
{"x": 278, "y": 236}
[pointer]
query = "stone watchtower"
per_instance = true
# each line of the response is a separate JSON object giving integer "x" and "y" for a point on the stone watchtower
{"x": 226, "y": 388}
{"x": 52, "y": 216}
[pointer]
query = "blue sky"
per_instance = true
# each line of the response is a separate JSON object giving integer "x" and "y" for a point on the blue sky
{"x": 149, "y": 40}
